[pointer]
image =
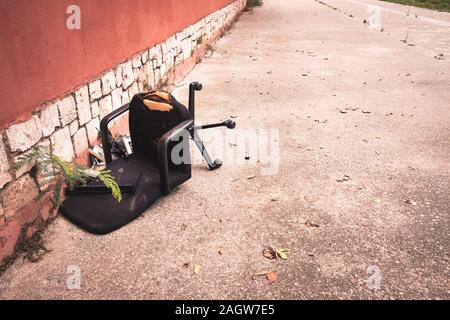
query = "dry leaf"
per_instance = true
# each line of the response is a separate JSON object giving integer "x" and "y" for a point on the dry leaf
{"x": 282, "y": 253}
{"x": 311, "y": 224}
{"x": 197, "y": 269}
{"x": 251, "y": 176}
{"x": 183, "y": 227}
{"x": 311, "y": 198}
{"x": 344, "y": 178}
{"x": 272, "y": 277}
{"x": 269, "y": 253}
{"x": 414, "y": 203}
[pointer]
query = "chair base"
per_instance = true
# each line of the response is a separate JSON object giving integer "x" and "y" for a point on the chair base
{"x": 101, "y": 213}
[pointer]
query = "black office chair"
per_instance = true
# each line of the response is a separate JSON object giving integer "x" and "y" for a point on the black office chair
{"x": 149, "y": 172}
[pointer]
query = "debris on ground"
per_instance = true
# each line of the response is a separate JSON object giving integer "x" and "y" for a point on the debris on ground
{"x": 251, "y": 176}
{"x": 260, "y": 273}
{"x": 310, "y": 224}
{"x": 365, "y": 111}
{"x": 272, "y": 277}
{"x": 346, "y": 109}
{"x": 411, "y": 202}
{"x": 344, "y": 178}
{"x": 183, "y": 227}
{"x": 282, "y": 253}
{"x": 439, "y": 56}
{"x": 197, "y": 269}
{"x": 269, "y": 253}
{"x": 377, "y": 200}
{"x": 274, "y": 198}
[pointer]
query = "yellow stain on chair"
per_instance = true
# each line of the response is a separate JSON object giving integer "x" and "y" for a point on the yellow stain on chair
{"x": 157, "y": 106}
{"x": 163, "y": 95}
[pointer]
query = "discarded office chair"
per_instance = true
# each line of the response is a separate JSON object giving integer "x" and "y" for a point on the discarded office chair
{"x": 149, "y": 172}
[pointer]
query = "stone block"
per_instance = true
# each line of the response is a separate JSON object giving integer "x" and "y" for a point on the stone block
{"x": 80, "y": 141}
{"x": 83, "y": 105}
{"x": 105, "y": 106}
{"x": 73, "y": 127}
{"x": 92, "y": 130}
{"x": 49, "y": 119}
{"x": 95, "y": 89}
{"x": 94, "y": 109}
{"x": 108, "y": 82}
{"x": 24, "y": 135}
{"x": 67, "y": 110}
{"x": 62, "y": 144}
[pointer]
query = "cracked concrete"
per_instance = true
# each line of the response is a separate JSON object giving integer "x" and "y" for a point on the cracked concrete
{"x": 346, "y": 100}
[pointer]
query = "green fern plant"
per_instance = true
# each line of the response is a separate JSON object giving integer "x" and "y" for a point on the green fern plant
{"x": 52, "y": 168}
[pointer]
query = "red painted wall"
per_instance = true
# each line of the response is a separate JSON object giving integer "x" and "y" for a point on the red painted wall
{"x": 41, "y": 59}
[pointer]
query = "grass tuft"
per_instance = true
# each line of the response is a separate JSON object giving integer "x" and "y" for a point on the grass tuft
{"x": 439, "y": 5}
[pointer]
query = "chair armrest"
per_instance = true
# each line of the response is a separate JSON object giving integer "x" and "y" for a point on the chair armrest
{"x": 163, "y": 146}
{"x": 104, "y": 130}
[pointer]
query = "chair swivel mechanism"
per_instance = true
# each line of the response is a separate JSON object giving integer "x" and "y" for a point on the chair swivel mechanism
{"x": 160, "y": 161}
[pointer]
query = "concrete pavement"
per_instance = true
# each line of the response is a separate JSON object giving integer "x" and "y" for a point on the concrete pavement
{"x": 362, "y": 190}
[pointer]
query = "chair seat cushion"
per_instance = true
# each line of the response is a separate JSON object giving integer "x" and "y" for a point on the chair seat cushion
{"x": 101, "y": 213}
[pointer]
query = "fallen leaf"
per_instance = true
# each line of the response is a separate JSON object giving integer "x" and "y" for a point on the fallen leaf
{"x": 414, "y": 203}
{"x": 251, "y": 176}
{"x": 272, "y": 277}
{"x": 183, "y": 227}
{"x": 186, "y": 264}
{"x": 344, "y": 178}
{"x": 311, "y": 198}
{"x": 308, "y": 223}
{"x": 282, "y": 253}
{"x": 197, "y": 269}
{"x": 269, "y": 253}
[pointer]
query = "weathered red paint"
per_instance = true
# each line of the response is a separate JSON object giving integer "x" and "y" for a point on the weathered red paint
{"x": 41, "y": 59}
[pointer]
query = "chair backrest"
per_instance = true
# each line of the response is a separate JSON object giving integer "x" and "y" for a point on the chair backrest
{"x": 150, "y": 118}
